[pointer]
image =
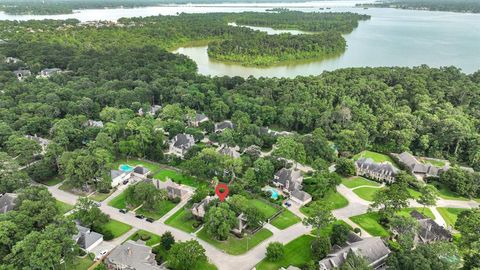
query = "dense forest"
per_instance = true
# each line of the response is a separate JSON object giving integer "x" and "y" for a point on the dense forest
{"x": 472, "y": 6}
{"x": 262, "y": 49}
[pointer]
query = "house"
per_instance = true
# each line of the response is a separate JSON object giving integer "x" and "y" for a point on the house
{"x": 46, "y": 73}
{"x": 133, "y": 175}
{"x": 141, "y": 171}
{"x": 220, "y": 127}
{"x": 199, "y": 209}
{"x": 118, "y": 177}
{"x": 174, "y": 190}
{"x": 229, "y": 151}
{"x": 241, "y": 225}
{"x": 290, "y": 181}
{"x": 151, "y": 111}
{"x": 12, "y": 60}
{"x": 132, "y": 256}
{"x": 377, "y": 171}
{"x": 372, "y": 249}
{"x": 181, "y": 143}
{"x": 22, "y": 74}
{"x": 269, "y": 132}
{"x": 199, "y": 118}
{"x": 87, "y": 239}
{"x": 419, "y": 168}
{"x": 93, "y": 123}
{"x": 7, "y": 202}
{"x": 43, "y": 142}
{"x": 429, "y": 230}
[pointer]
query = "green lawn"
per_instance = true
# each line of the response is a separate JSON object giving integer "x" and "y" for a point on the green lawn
{"x": 117, "y": 228}
{"x": 162, "y": 208}
{"x": 358, "y": 181}
{"x": 426, "y": 212}
{"x": 63, "y": 207}
{"x": 450, "y": 214}
{"x": 234, "y": 245}
{"x": 52, "y": 181}
{"x": 119, "y": 201}
{"x": 377, "y": 157}
{"x": 267, "y": 209}
{"x": 434, "y": 162}
{"x": 327, "y": 231}
{"x": 415, "y": 194}
{"x": 154, "y": 239}
{"x": 335, "y": 199}
{"x": 181, "y": 220}
{"x": 285, "y": 220}
{"x": 78, "y": 263}
{"x": 179, "y": 178}
{"x": 445, "y": 193}
{"x": 297, "y": 252}
{"x": 369, "y": 222}
{"x": 205, "y": 266}
{"x": 100, "y": 197}
{"x": 366, "y": 193}
{"x": 153, "y": 167}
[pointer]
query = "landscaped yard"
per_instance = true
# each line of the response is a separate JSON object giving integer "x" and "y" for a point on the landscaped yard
{"x": 179, "y": 178}
{"x": 285, "y": 220}
{"x": 153, "y": 238}
{"x": 370, "y": 223}
{"x": 358, "y": 181}
{"x": 450, "y": 214}
{"x": 434, "y": 162}
{"x": 117, "y": 228}
{"x": 366, "y": 193}
{"x": 100, "y": 197}
{"x": 327, "y": 231}
{"x": 79, "y": 263}
{"x": 153, "y": 167}
{"x": 234, "y": 245}
{"x": 63, "y": 207}
{"x": 119, "y": 201}
{"x": 335, "y": 199}
{"x": 162, "y": 208}
{"x": 264, "y": 207}
{"x": 415, "y": 194}
{"x": 445, "y": 193}
{"x": 426, "y": 212}
{"x": 377, "y": 157}
{"x": 297, "y": 252}
{"x": 181, "y": 220}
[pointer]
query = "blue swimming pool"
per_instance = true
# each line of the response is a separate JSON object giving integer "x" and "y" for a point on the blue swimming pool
{"x": 274, "y": 193}
{"x": 126, "y": 168}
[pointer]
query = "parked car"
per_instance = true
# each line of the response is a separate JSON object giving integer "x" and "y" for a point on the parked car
{"x": 123, "y": 211}
{"x": 288, "y": 204}
{"x": 140, "y": 216}
{"x": 151, "y": 220}
{"x": 101, "y": 255}
{"x": 125, "y": 182}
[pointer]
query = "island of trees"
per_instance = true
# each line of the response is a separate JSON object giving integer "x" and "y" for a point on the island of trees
{"x": 471, "y": 6}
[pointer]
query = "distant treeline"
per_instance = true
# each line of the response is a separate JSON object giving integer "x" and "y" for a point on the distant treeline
{"x": 471, "y": 6}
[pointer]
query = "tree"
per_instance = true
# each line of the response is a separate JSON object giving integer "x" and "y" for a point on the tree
{"x": 392, "y": 199}
{"x": 88, "y": 213}
{"x": 320, "y": 216}
{"x": 345, "y": 167}
{"x": 321, "y": 246}
{"x": 437, "y": 255}
{"x": 428, "y": 196}
{"x": 405, "y": 228}
{"x": 186, "y": 255}
{"x": 22, "y": 148}
{"x": 254, "y": 217}
{"x": 264, "y": 170}
{"x": 339, "y": 234}
{"x": 355, "y": 262}
{"x": 275, "y": 251}
{"x": 11, "y": 177}
{"x": 167, "y": 240}
{"x": 219, "y": 220}
{"x": 467, "y": 225}
{"x": 287, "y": 147}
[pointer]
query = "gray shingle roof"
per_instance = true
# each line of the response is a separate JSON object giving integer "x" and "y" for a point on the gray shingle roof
{"x": 133, "y": 255}
{"x": 229, "y": 151}
{"x": 224, "y": 125}
{"x": 381, "y": 168}
{"x": 199, "y": 117}
{"x": 301, "y": 195}
{"x": 293, "y": 177}
{"x": 429, "y": 229}
{"x": 7, "y": 202}
{"x": 183, "y": 140}
{"x": 85, "y": 237}
{"x": 141, "y": 170}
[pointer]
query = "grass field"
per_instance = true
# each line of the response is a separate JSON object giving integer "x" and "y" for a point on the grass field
{"x": 377, "y": 157}
{"x": 179, "y": 178}
{"x": 154, "y": 239}
{"x": 264, "y": 207}
{"x": 117, "y": 228}
{"x": 369, "y": 222}
{"x": 450, "y": 214}
{"x": 234, "y": 245}
{"x": 445, "y": 193}
{"x": 366, "y": 193}
{"x": 406, "y": 212}
{"x": 52, "y": 181}
{"x": 161, "y": 209}
{"x": 181, "y": 220}
{"x": 415, "y": 194}
{"x": 285, "y": 220}
{"x": 358, "y": 181}
{"x": 153, "y": 167}
{"x": 63, "y": 207}
{"x": 78, "y": 263}
{"x": 297, "y": 252}
{"x": 119, "y": 201}
{"x": 335, "y": 199}
{"x": 327, "y": 231}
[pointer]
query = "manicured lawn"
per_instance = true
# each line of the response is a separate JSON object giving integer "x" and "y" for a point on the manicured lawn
{"x": 335, "y": 199}
{"x": 100, "y": 197}
{"x": 154, "y": 239}
{"x": 119, "y": 201}
{"x": 450, "y": 214}
{"x": 434, "y": 162}
{"x": 426, "y": 212}
{"x": 234, "y": 245}
{"x": 153, "y": 167}
{"x": 78, "y": 263}
{"x": 181, "y": 220}
{"x": 297, "y": 252}
{"x": 415, "y": 194}
{"x": 445, "y": 193}
{"x": 53, "y": 181}
{"x": 179, "y": 178}
{"x": 117, "y": 228}
{"x": 327, "y": 231}
{"x": 162, "y": 208}
{"x": 358, "y": 181}
{"x": 205, "y": 266}
{"x": 63, "y": 207}
{"x": 366, "y": 193}
{"x": 370, "y": 223}
{"x": 285, "y": 220}
{"x": 377, "y": 157}
{"x": 264, "y": 207}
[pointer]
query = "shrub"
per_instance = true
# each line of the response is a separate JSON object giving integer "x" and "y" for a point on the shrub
{"x": 145, "y": 237}
{"x": 167, "y": 240}
{"x": 107, "y": 235}
{"x": 159, "y": 258}
{"x": 321, "y": 247}
{"x": 175, "y": 200}
{"x": 275, "y": 251}
{"x": 339, "y": 234}
{"x": 357, "y": 230}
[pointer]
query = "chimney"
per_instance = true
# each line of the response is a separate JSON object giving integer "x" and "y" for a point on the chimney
{"x": 129, "y": 251}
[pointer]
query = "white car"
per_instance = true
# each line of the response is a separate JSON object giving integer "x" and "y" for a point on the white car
{"x": 101, "y": 255}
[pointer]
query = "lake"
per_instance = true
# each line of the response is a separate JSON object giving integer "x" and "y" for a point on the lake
{"x": 391, "y": 37}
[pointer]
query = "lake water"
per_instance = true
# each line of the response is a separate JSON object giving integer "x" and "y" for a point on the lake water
{"x": 390, "y": 38}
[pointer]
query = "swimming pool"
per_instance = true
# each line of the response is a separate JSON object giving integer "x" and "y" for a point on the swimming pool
{"x": 126, "y": 168}
{"x": 274, "y": 193}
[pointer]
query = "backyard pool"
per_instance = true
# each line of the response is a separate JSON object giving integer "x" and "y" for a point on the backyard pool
{"x": 126, "y": 168}
{"x": 274, "y": 193}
